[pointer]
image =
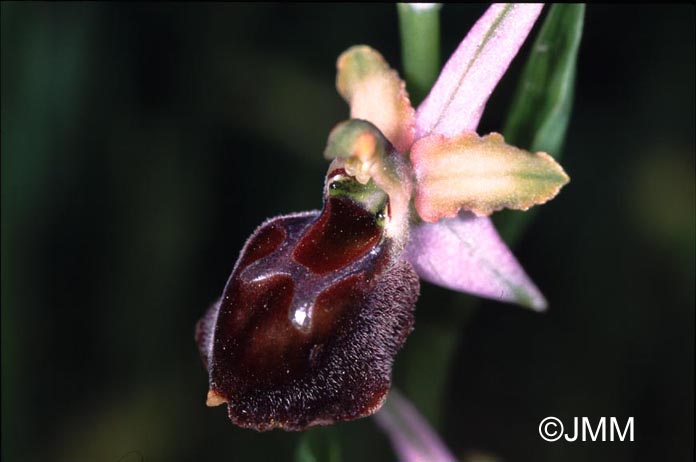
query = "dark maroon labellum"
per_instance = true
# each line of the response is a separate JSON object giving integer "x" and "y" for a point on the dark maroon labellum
{"x": 310, "y": 320}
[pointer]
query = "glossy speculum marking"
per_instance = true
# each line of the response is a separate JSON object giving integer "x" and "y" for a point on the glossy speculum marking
{"x": 311, "y": 318}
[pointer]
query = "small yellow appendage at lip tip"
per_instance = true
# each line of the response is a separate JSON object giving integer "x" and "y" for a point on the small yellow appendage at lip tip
{"x": 214, "y": 399}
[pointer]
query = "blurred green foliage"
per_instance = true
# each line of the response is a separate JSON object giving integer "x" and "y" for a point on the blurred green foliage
{"x": 142, "y": 143}
{"x": 319, "y": 444}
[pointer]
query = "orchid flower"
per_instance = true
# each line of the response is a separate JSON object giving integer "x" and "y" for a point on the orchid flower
{"x": 319, "y": 303}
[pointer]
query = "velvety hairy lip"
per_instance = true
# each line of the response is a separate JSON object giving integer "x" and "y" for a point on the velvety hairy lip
{"x": 310, "y": 320}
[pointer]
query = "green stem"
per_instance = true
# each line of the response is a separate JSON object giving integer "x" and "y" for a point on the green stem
{"x": 419, "y": 26}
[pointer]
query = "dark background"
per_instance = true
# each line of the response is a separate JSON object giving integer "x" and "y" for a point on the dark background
{"x": 142, "y": 143}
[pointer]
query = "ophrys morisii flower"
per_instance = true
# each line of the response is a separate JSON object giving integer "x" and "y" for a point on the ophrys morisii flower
{"x": 319, "y": 303}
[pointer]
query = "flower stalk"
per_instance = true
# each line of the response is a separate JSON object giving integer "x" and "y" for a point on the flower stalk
{"x": 419, "y": 27}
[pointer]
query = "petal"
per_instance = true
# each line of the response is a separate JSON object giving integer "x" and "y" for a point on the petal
{"x": 410, "y": 434}
{"x": 376, "y": 93}
{"x": 458, "y": 97}
{"x": 481, "y": 175}
{"x": 466, "y": 253}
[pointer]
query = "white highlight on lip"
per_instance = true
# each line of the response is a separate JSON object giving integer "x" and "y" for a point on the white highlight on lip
{"x": 261, "y": 277}
{"x": 300, "y": 317}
